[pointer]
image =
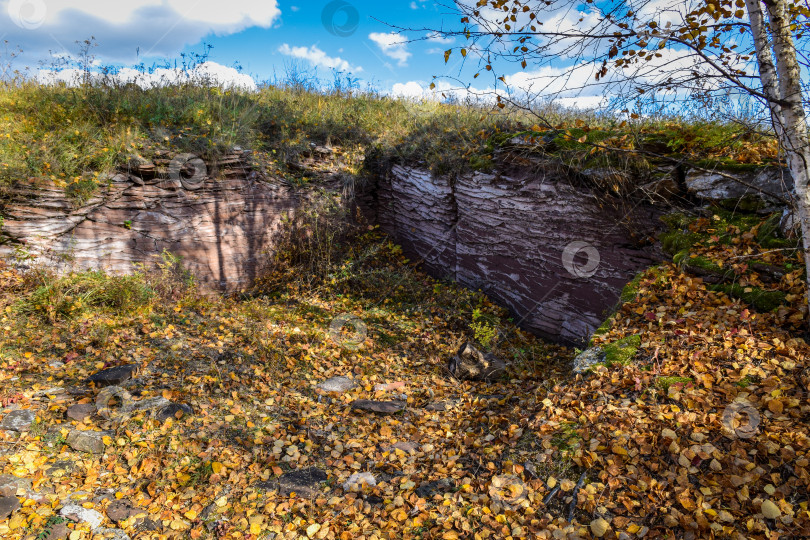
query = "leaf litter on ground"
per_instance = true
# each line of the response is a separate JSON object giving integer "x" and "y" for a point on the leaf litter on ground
{"x": 703, "y": 434}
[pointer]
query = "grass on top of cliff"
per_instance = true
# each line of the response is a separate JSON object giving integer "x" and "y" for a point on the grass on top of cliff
{"x": 73, "y": 134}
{"x": 702, "y": 433}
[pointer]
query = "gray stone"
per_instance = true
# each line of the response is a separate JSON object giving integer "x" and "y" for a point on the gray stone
{"x": 173, "y": 410}
{"x": 81, "y": 411}
{"x": 405, "y": 446}
{"x": 433, "y": 488}
{"x": 358, "y": 480}
{"x": 304, "y": 482}
{"x": 111, "y": 534}
{"x": 55, "y": 391}
{"x": 588, "y": 358}
{"x": 19, "y": 420}
{"x": 769, "y": 184}
{"x": 112, "y": 376}
{"x": 338, "y": 384}
{"x": 471, "y": 364}
{"x": 8, "y": 505}
{"x": 79, "y": 514}
{"x": 58, "y": 531}
{"x": 103, "y": 494}
{"x": 437, "y": 406}
{"x": 12, "y": 485}
{"x": 379, "y": 407}
{"x": 122, "y": 509}
{"x": 150, "y": 404}
{"x": 87, "y": 441}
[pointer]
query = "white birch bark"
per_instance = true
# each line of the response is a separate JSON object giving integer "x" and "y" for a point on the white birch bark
{"x": 790, "y": 122}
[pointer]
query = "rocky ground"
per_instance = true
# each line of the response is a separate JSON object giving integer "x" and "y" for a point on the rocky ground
{"x": 330, "y": 412}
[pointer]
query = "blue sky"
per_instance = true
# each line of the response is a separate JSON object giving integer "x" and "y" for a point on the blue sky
{"x": 264, "y": 37}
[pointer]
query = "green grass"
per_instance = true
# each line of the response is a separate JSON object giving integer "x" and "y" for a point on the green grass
{"x": 57, "y": 298}
{"x": 665, "y": 382}
{"x": 74, "y": 136}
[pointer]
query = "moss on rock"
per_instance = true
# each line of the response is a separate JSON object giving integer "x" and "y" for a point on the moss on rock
{"x": 760, "y": 299}
{"x": 622, "y": 351}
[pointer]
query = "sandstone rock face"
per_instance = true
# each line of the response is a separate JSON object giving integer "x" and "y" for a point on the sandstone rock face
{"x": 555, "y": 254}
{"x": 221, "y": 225}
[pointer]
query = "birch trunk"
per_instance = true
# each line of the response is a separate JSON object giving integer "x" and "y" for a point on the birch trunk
{"x": 767, "y": 71}
{"x": 791, "y": 121}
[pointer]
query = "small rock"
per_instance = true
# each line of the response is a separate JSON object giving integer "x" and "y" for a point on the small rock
{"x": 81, "y": 411}
{"x": 304, "y": 482}
{"x": 438, "y": 406}
{"x": 379, "y": 407}
{"x": 121, "y": 510}
{"x": 12, "y": 485}
{"x": 432, "y": 488}
{"x": 405, "y": 446}
{"x": 588, "y": 358}
{"x": 388, "y": 387}
{"x": 171, "y": 411}
{"x": 49, "y": 392}
{"x": 357, "y": 480}
{"x": 150, "y": 404}
{"x": 59, "y": 531}
{"x": 56, "y": 364}
{"x": 471, "y": 364}
{"x": 8, "y": 505}
{"x": 150, "y": 525}
{"x": 87, "y": 441}
{"x": 599, "y": 527}
{"x": 103, "y": 494}
{"x": 19, "y": 420}
{"x": 770, "y": 510}
{"x": 338, "y": 384}
{"x": 79, "y": 514}
{"x": 112, "y": 376}
{"x": 112, "y": 534}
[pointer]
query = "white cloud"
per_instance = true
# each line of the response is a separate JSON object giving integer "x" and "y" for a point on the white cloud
{"x": 209, "y": 72}
{"x": 157, "y": 27}
{"x": 393, "y": 45}
{"x": 442, "y": 90}
{"x": 414, "y": 5}
{"x": 318, "y": 58}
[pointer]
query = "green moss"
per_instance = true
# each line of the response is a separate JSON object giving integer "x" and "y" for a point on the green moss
{"x": 677, "y": 221}
{"x": 737, "y": 218}
{"x": 759, "y": 299}
{"x": 666, "y": 382}
{"x": 676, "y": 241}
{"x": 728, "y": 165}
{"x": 630, "y": 291}
{"x": 702, "y": 263}
{"x": 622, "y": 351}
{"x": 603, "y": 328}
{"x": 747, "y": 203}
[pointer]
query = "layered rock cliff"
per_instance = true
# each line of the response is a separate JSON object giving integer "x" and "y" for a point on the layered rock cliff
{"x": 222, "y": 224}
{"x": 557, "y": 255}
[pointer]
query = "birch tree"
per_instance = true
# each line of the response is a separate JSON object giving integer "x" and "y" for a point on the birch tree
{"x": 668, "y": 53}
